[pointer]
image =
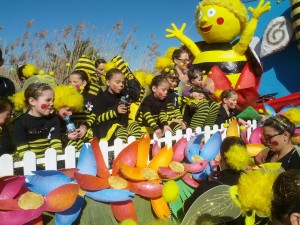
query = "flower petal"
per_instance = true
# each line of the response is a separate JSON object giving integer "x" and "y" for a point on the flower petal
{"x": 70, "y": 215}
{"x": 86, "y": 161}
{"x": 123, "y": 210}
{"x": 62, "y": 198}
{"x": 10, "y": 186}
{"x": 91, "y": 183}
{"x": 110, "y": 195}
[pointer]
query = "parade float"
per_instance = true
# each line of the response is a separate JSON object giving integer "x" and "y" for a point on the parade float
{"x": 148, "y": 184}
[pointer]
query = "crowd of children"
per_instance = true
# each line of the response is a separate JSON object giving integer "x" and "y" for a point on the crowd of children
{"x": 97, "y": 102}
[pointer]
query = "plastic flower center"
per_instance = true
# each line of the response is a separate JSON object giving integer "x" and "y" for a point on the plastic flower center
{"x": 30, "y": 200}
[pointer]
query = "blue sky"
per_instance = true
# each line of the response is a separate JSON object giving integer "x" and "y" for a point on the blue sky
{"x": 150, "y": 17}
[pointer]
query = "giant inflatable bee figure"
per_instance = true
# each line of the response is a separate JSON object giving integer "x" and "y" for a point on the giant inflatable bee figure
{"x": 228, "y": 61}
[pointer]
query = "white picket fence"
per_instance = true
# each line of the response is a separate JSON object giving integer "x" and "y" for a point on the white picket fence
{"x": 29, "y": 162}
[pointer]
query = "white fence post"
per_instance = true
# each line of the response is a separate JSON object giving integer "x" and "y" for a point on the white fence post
{"x": 29, "y": 161}
{"x": 50, "y": 159}
{"x": 6, "y": 165}
{"x": 104, "y": 149}
{"x": 70, "y": 157}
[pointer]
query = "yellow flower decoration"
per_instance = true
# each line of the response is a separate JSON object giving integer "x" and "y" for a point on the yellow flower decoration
{"x": 68, "y": 64}
{"x": 41, "y": 72}
{"x": 51, "y": 73}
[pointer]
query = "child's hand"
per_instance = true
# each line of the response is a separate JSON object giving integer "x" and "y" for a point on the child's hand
{"x": 81, "y": 131}
{"x": 200, "y": 96}
{"x": 167, "y": 128}
{"x": 183, "y": 125}
{"x": 122, "y": 109}
{"x": 158, "y": 133}
{"x": 73, "y": 136}
{"x": 261, "y": 157}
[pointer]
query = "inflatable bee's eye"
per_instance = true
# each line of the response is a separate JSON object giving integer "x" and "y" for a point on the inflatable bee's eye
{"x": 200, "y": 15}
{"x": 211, "y": 12}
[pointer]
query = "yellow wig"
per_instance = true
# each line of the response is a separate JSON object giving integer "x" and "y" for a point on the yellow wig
{"x": 18, "y": 99}
{"x": 162, "y": 63}
{"x": 29, "y": 70}
{"x": 237, "y": 157}
{"x": 170, "y": 51}
{"x": 255, "y": 191}
{"x": 67, "y": 96}
{"x": 234, "y": 6}
{"x": 293, "y": 114}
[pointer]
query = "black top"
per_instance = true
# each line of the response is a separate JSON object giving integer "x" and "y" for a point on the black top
{"x": 6, "y": 145}
{"x": 37, "y": 134}
{"x": 289, "y": 161}
{"x": 223, "y": 117}
{"x": 107, "y": 113}
{"x": 152, "y": 112}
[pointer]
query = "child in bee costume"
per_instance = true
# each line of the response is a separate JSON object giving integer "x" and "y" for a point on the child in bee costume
{"x": 201, "y": 107}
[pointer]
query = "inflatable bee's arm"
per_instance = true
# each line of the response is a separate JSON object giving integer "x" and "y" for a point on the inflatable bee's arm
{"x": 178, "y": 33}
{"x": 249, "y": 31}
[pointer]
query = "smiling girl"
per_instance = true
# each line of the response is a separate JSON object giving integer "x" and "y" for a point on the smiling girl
{"x": 37, "y": 129}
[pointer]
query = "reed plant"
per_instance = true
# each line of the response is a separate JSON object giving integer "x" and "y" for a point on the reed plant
{"x": 56, "y": 52}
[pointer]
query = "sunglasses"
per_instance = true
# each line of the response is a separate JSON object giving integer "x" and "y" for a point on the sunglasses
{"x": 268, "y": 138}
{"x": 184, "y": 60}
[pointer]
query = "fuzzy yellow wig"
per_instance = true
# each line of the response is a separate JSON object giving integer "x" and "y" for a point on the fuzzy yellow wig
{"x": 169, "y": 52}
{"x": 67, "y": 96}
{"x": 255, "y": 191}
{"x": 234, "y": 6}
{"x": 18, "y": 99}
{"x": 237, "y": 157}
{"x": 293, "y": 114}
{"x": 162, "y": 63}
{"x": 29, "y": 70}
{"x": 109, "y": 65}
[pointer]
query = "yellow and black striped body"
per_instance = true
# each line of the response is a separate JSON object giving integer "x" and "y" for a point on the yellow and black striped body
{"x": 222, "y": 55}
{"x": 295, "y": 5}
{"x": 37, "y": 134}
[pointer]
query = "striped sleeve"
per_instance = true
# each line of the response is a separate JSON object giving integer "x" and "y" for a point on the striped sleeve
{"x": 108, "y": 115}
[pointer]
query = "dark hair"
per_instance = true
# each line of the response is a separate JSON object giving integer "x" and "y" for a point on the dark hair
{"x": 227, "y": 94}
{"x": 35, "y": 90}
{"x": 20, "y": 72}
{"x": 286, "y": 195}
{"x": 7, "y": 87}
{"x": 280, "y": 123}
{"x": 99, "y": 61}
{"x": 83, "y": 75}
{"x": 178, "y": 52}
{"x": 193, "y": 73}
{"x": 157, "y": 80}
{"x": 112, "y": 72}
{"x": 170, "y": 72}
{"x": 228, "y": 142}
{"x": 4, "y": 104}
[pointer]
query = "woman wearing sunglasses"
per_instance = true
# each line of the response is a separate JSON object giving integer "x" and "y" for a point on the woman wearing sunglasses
{"x": 277, "y": 137}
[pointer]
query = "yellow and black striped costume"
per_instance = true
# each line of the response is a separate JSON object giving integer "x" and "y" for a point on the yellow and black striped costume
{"x": 110, "y": 124}
{"x": 132, "y": 87}
{"x": 154, "y": 114}
{"x": 87, "y": 65}
{"x": 201, "y": 113}
{"x": 37, "y": 134}
{"x": 85, "y": 117}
